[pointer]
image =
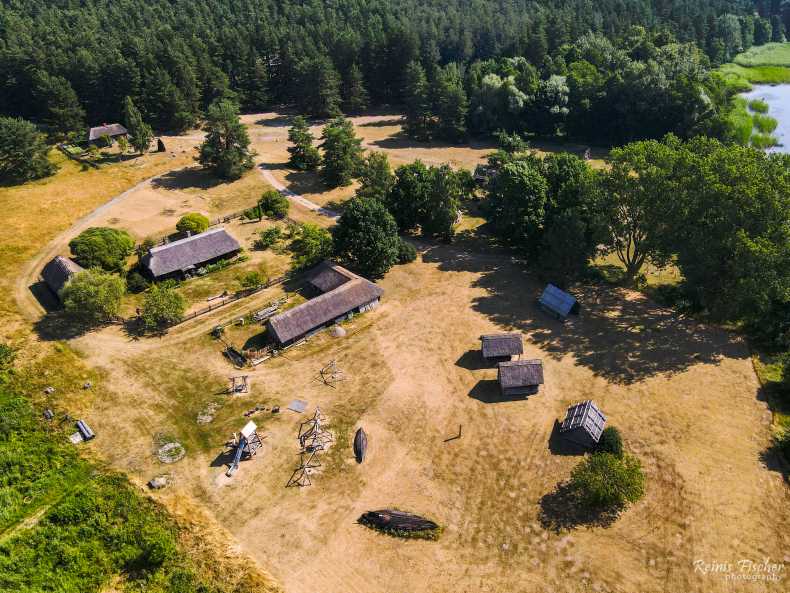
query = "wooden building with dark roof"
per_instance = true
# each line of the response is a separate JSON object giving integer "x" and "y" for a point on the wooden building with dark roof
{"x": 501, "y": 346}
{"x": 520, "y": 377}
{"x": 348, "y": 294}
{"x": 557, "y": 302}
{"x": 181, "y": 258}
{"x": 111, "y": 131}
{"x": 58, "y": 272}
{"x": 583, "y": 424}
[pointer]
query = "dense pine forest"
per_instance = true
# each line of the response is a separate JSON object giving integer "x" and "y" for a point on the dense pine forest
{"x": 459, "y": 66}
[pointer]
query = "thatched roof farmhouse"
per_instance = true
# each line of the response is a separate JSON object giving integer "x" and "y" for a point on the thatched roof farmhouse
{"x": 520, "y": 377}
{"x": 181, "y": 257}
{"x": 347, "y": 294}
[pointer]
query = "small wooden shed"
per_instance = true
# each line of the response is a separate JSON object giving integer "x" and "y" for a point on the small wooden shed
{"x": 111, "y": 131}
{"x": 501, "y": 346}
{"x": 583, "y": 424}
{"x": 520, "y": 377}
{"x": 557, "y": 302}
{"x": 58, "y": 272}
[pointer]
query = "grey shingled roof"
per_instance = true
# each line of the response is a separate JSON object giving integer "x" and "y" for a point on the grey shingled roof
{"x": 192, "y": 251}
{"x": 106, "y": 130}
{"x": 59, "y": 271}
{"x": 557, "y": 300}
{"x": 520, "y": 373}
{"x": 497, "y": 345}
{"x": 585, "y": 415}
{"x": 329, "y": 306}
{"x": 328, "y": 276}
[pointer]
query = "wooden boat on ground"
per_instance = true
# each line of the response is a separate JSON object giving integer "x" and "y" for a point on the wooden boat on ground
{"x": 360, "y": 445}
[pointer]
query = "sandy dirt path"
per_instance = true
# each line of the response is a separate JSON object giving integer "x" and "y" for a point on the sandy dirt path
{"x": 294, "y": 197}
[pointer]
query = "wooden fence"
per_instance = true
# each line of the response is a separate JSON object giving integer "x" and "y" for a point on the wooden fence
{"x": 236, "y": 296}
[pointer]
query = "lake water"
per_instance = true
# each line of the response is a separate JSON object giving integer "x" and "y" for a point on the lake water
{"x": 778, "y": 99}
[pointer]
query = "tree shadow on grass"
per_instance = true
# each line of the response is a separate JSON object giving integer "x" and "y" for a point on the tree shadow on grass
{"x": 57, "y": 325}
{"x": 562, "y": 510}
{"x": 620, "y": 335}
{"x": 305, "y": 182}
{"x": 188, "y": 178}
{"x": 383, "y": 123}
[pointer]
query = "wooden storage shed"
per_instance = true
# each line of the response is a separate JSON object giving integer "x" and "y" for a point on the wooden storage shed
{"x": 58, "y": 272}
{"x": 583, "y": 424}
{"x": 112, "y": 131}
{"x": 520, "y": 377}
{"x": 501, "y": 346}
{"x": 557, "y": 302}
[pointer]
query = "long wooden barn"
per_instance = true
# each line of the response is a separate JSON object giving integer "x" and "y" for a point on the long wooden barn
{"x": 343, "y": 294}
{"x": 181, "y": 258}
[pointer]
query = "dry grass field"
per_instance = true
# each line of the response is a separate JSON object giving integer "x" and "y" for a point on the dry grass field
{"x": 684, "y": 395}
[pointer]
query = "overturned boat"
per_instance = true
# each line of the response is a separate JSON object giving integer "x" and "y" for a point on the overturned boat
{"x": 360, "y": 445}
{"x": 397, "y": 521}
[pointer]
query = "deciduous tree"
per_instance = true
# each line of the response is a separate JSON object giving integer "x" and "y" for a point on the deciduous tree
{"x": 366, "y": 237}
{"x": 93, "y": 296}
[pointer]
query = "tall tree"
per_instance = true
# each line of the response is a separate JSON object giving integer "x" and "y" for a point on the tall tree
{"x": 366, "y": 236}
{"x": 450, "y": 104}
{"x": 342, "y": 153}
{"x": 417, "y": 101}
{"x": 318, "y": 87}
{"x": 375, "y": 177}
{"x": 304, "y": 156}
{"x": 23, "y": 152}
{"x": 226, "y": 148}
{"x": 140, "y": 132}
{"x": 93, "y": 296}
{"x": 355, "y": 95}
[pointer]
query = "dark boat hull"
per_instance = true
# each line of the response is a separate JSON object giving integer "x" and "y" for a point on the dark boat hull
{"x": 360, "y": 445}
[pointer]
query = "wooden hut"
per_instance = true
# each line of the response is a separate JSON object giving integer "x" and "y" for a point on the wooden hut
{"x": 583, "y": 424}
{"x": 344, "y": 294}
{"x": 557, "y": 302}
{"x": 58, "y": 272}
{"x": 520, "y": 377}
{"x": 181, "y": 258}
{"x": 501, "y": 347}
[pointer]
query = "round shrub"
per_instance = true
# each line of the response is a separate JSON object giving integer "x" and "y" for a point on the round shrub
{"x": 605, "y": 481}
{"x": 93, "y": 295}
{"x": 406, "y": 252}
{"x": 273, "y": 204}
{"x": 611, "y": 442}
{"x": 102, "y": 247}
{"x": 136, "y": 282}
{"x": 194, "y": 222}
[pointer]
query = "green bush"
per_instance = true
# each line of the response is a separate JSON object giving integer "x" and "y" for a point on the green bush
{"x": 605, "y": 481}
{"x": 763, "y": 141}
{"x": 136, "y": 282}
{"x": 267, "y": 238}
{"x": 782, "y": 442}
{"x": 274, "y": 204}
{"x": 7, "y": 357}
{"x": 194, "y": 222}
{"x": 310, "y": 245}
{"x": 406, "y": 252}
{"x": 611, "y": 442}
{"x": 102, "y": 247}
{"x": 252, "y": 279}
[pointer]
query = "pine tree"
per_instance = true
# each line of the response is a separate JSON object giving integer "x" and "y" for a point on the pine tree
{"x": 342, "y": 153}
{"x": 23, "y": 153}
{"x": 304, "y": 156}
{"x": 416, "y": 96}
{"x": 451, "y": 104}
{"x": 226, "y": 148}
{"x": 139, "y": 131}
{"x": 355, "y": 96}
{"x": 318, "y": 87}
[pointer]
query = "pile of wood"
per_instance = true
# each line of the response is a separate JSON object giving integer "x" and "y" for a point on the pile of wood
{"x": 397, "y": 521}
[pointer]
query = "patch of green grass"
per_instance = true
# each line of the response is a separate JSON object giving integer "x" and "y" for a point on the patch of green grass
{"x": 769, "y": 371}
{"x": 758, "y": 106}
{"x": 764, "y": 123}
{"x": 769, "y": 54}
{"x": 763, "y": 141}
{"x": 737, "y": 75}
